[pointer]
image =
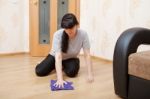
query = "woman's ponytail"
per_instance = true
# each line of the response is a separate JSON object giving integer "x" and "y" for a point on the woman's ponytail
{"x": 64, "y": 42}
{"x": 68, "y": 21}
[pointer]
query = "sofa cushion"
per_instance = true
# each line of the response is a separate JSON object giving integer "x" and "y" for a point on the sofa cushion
{"x": 139, "y": 64}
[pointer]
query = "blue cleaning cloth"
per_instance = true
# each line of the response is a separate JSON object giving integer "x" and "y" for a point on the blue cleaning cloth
{"x": 67, "y": 86}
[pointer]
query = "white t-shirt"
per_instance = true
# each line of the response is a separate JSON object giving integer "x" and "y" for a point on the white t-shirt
{"x": 81, "y": 40}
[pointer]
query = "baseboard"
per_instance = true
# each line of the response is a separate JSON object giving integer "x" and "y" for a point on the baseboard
{"x": 98, "y": 58}
{"x": 15, "y": 53}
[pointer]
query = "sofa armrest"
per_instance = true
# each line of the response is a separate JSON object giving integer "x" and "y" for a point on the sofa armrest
{"x": 127, "y": 43}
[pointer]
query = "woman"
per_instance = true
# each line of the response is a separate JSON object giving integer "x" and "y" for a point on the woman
{"x": 67, "y": 43}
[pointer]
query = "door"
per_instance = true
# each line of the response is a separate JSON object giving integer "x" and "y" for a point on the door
{"x": 45, "y": 18}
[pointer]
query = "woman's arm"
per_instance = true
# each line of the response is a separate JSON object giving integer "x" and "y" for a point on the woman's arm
{"x": 58, "y": 64}
{"x": 89, "y": 64}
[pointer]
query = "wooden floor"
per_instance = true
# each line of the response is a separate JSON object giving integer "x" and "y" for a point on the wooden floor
{"x": 18, "y": 80}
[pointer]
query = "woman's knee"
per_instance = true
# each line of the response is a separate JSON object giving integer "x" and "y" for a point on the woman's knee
{"x": 71, "y": 74}
{"x": 71, "y": 67}
{"x": 39, "y": 72}
{"x": 46, "y": 66}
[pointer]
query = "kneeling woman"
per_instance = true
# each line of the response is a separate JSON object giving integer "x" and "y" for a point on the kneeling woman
{"x": 67, "y": 43}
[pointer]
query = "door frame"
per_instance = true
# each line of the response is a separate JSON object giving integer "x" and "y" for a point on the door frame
{"x": 35, "y": 48}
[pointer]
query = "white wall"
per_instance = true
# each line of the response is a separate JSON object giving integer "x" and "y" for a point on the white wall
{"x": 14, "y": 30}
{"x": 105, "y": 20}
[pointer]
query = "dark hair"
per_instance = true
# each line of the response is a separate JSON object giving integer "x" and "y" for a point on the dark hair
{"x": 68, "y": 21}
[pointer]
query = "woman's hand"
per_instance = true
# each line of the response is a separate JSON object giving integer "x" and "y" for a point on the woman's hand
{"x": 60, "y": 83}
{"x": 90, "y": 78}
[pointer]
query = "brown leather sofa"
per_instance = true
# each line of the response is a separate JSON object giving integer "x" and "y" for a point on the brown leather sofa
{"x": 131, "y": 69}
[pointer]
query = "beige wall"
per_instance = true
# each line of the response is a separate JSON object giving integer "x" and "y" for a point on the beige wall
{"x": 105, "y": 20}
{"x": 14, "y": 30}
